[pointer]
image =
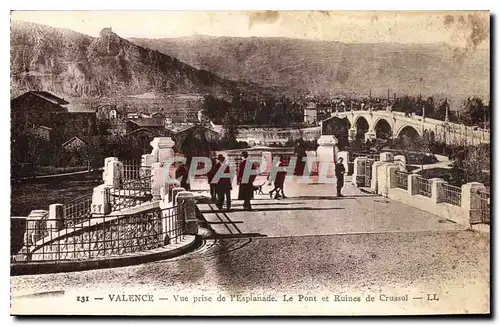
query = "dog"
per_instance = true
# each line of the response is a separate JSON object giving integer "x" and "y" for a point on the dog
{"x": 258, "y": 189}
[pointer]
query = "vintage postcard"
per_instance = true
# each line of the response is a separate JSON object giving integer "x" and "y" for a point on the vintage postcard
{"x": 250, "y": 163}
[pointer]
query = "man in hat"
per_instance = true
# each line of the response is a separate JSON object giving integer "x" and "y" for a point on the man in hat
{"x": 223, "y": 186}
{"x": 210, "y": 177}
{"x": 339, "y": 173}
{"x": 246, "y": 186}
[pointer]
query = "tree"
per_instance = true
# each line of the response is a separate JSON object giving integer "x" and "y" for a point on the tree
{"x": 229, "y": 124}
{"x": 475, "y": 112}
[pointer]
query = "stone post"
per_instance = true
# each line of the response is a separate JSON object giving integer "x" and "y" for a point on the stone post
{"x": 158, "y": 179}
{"x": 146, "y": 161}
{"x": 412, "y": 180}
{"x": 359, "y": 171}
{"x": 471, "y": 202}
{"x": 391, "y": 175}
{"x": 56, "y": 218}
{"x": 33, "y": 231}
{"x": 311, "y": 163}
{"x": 267, "y": 162}
{"x": 107, "y": 160}
{"x": 386, "y": 157}
{"x": 326, "y": 154}
{"x": 437, "y": 189}
{"x": 113, "y": 174}
{"x": 175, "y": 191}
{"x": 162, "y": 148}
{"x": 401, "y": 160}
{"x": 101, "y": 200}
{"x": 188, "y": 216}
{"x": 374, "y": 177}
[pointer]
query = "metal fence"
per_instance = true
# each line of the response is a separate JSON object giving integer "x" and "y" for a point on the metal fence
{"x": 131, "y": 193}
{"x": 77, "y": 210}
{"x": 402, "y": 180}
{"x": 133, "y": 170}
{"x": 484, "y": 197}
{"x": 423, "y": 187}
{"x": 105, "y": 236}
{"x": 451, "y": 195}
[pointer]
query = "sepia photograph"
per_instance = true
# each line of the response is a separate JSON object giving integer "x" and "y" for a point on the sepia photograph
{"x": 250, "y": 163}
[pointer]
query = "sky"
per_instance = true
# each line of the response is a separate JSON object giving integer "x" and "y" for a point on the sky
{"x": 458, "y": 28}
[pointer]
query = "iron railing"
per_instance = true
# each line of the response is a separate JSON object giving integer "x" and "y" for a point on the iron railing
{"x": 77, "y": 210}
{"x": 402, "y": 180}
{"x": 451, "y": 195}
{"x": 133, "y": 170}
{"x": 105, "y": 236}
{"x": 484, "y": 206}
{"x": 423, "y": 187}
{"x": 131, "y": 193}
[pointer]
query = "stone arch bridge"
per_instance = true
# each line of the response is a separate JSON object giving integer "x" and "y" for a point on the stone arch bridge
{"x": 368, "y": 124}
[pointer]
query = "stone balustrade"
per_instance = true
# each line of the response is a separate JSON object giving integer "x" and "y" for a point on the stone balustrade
{"x": 459, "y": 204}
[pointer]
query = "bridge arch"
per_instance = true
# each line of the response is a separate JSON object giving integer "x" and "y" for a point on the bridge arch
{"x": 408, "y": 130}
{"x": 362, "y": 126}
{"x": 383, "y": 129}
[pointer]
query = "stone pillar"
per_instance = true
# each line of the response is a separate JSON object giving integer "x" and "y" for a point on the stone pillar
{"x": 470, "y": 200}
{"x": 158, "y": 179}
{"x": 374, "y": 176}
{"x": 33, "y": 231}
{"x": 146, "y": 161}
{"x": 267, "y": 162}
{"x": 107, "y": 160}
{"x": 56, "y": 218}
{"x": 412, "y": 179}
{"x": 113, "y": 174}
{"x": 359, "y": 172}
{"x": 345, "y": 156}
{"x": 162, "y": 148}
{"x": 401, "y": 161}
{"x": 326, "y": 154}
{"x": 437, "y": 189}
{"x": 311, "y": 163}
{"x": 384, "y": 178}
{"x": 189, "y": 213}
{"x": 391, "y": 176}
{"x": 386, "y": 157}
{"x": 175, "y": 192}
{"x": 101, "y": 200}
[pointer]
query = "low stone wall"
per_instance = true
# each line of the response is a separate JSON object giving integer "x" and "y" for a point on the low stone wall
{"x": 462, "y": 205}
{"x": 122, "y": 235}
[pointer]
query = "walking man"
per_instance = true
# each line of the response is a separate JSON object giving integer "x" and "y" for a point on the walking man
{"x": 245, "y": 192}
{"x": 210, "y": 177}
{"x": 339, "y": 173}
{"x": 223, "y": 186}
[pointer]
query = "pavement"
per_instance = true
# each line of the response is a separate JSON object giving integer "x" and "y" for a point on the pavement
{"x": 312, "y": 245}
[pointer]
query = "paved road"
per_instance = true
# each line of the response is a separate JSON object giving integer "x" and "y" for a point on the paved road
{"x": 309, "y": 245}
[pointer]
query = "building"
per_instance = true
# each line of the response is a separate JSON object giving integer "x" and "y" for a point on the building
{"x": 37, "y": 108}
{"x": 310, "y": 113}
{"x": 74, "y": 144}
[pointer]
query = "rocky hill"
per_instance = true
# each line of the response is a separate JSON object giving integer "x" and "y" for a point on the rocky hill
{"x": 327, "y": 66}
{"x": 75, "y": 65}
